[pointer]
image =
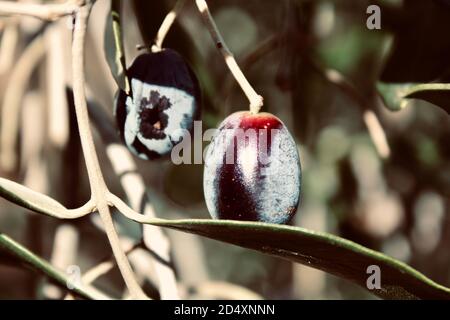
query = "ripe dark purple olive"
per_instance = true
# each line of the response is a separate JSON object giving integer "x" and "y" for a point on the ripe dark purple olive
{"x": 252, "y": 170}
{"x": 164, "y": 98}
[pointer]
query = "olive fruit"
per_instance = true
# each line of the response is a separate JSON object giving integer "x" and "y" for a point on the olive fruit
{"x": 163, "y": 103}
{"x": 252, "y": 170}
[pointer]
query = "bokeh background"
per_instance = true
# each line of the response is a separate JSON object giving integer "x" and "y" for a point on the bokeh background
{"x": 392, "y": 197}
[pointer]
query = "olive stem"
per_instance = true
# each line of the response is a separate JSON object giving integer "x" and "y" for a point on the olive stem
{"x": 84, "y": 210}
{"x": 153, "y": 237}
{"x": 128, "y": 212}
{"x": 101, "y": 269}
{"x": 166, "y": 25}
{"x": 377, "y": 133}
{"x": 373, "y": 124}
{"x": 115, "y": 12}
{"x": 98, "y": 187}
{"x": 133, "y": 184}
{"x": 256, "y": 101}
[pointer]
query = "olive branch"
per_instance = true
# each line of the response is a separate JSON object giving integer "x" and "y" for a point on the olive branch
{"x": 101, "y": 197}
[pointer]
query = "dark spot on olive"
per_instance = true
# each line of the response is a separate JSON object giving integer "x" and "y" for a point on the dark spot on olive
{"x": 153, "y": 120}
{"x": 153, "y": 123}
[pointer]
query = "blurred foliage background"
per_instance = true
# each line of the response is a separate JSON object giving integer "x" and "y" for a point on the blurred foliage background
{"x": 396, "y": 202}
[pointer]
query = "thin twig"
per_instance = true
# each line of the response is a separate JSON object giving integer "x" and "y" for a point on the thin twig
{"x": 33, "y": 138}
{"x": 58, "y": 114}
{"x": 334, "y": 77}
{"x": 115, "y": 12}
{"x": 154, "y": 237}
{"x": 41, "y": 11}
{"x": 134, "y": 186}
{"x": 370, "y": 119}
{"x": 46, "y": 268}
{"x": 105, "y": 266}
{"x": 166, "y": 24}
{"x": 101, "y": 269}
{"x": 377, "y": 133}
{"x": 40, "y": 202}
{"x": 64, "y": 253}
{"x": 14, "y": 92}
{"x": 32, "y": 133}
{"x": 256, "y": 101}
{"x": 246, "y": 61}
{"x": 97, "y": 183}
{"x": 8, "y": 45}
{"x": 127, "y": 211}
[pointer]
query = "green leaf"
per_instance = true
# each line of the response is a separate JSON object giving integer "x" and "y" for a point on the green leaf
{"x": 323, "y": 251}
{"x": 113, "y": 46}
{"x": 435, "y": 93}
{"x": 40, "y": 265}
{"x": 30, "y": 199}
{"x": 320, "y": 250}
{"x": 38, "y": 202}
{"x": 396, "y": 95}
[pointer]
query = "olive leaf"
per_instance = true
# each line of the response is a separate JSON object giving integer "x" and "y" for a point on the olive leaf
{"x": 396, "y": 95}
{"x": 36, "y": 201}
{"x": 113, "y": 46}
{"x": 42, "y": 266}
{"x": 320, "y": 250}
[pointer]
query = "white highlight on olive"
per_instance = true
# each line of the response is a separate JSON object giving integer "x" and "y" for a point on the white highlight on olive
{"x": 247, "y": 160}
{"x": 214, "y": 160}
{"x": 179, "y": 116}
{"x": 281, "y": 185}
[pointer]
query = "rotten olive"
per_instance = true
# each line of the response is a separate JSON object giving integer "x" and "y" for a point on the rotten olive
{"x": 252, "y": 170}
{"x": 162, "y": 105}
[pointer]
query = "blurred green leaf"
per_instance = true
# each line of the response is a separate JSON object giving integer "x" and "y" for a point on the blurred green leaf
{"x": 113, "y": 46}
{"x": 42, "y": 266}
{"x": 396, "y": 95}
{"x": 345, "y": 50}
{"x": 323, "y": 251}
{"x": 436, "y": 93}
